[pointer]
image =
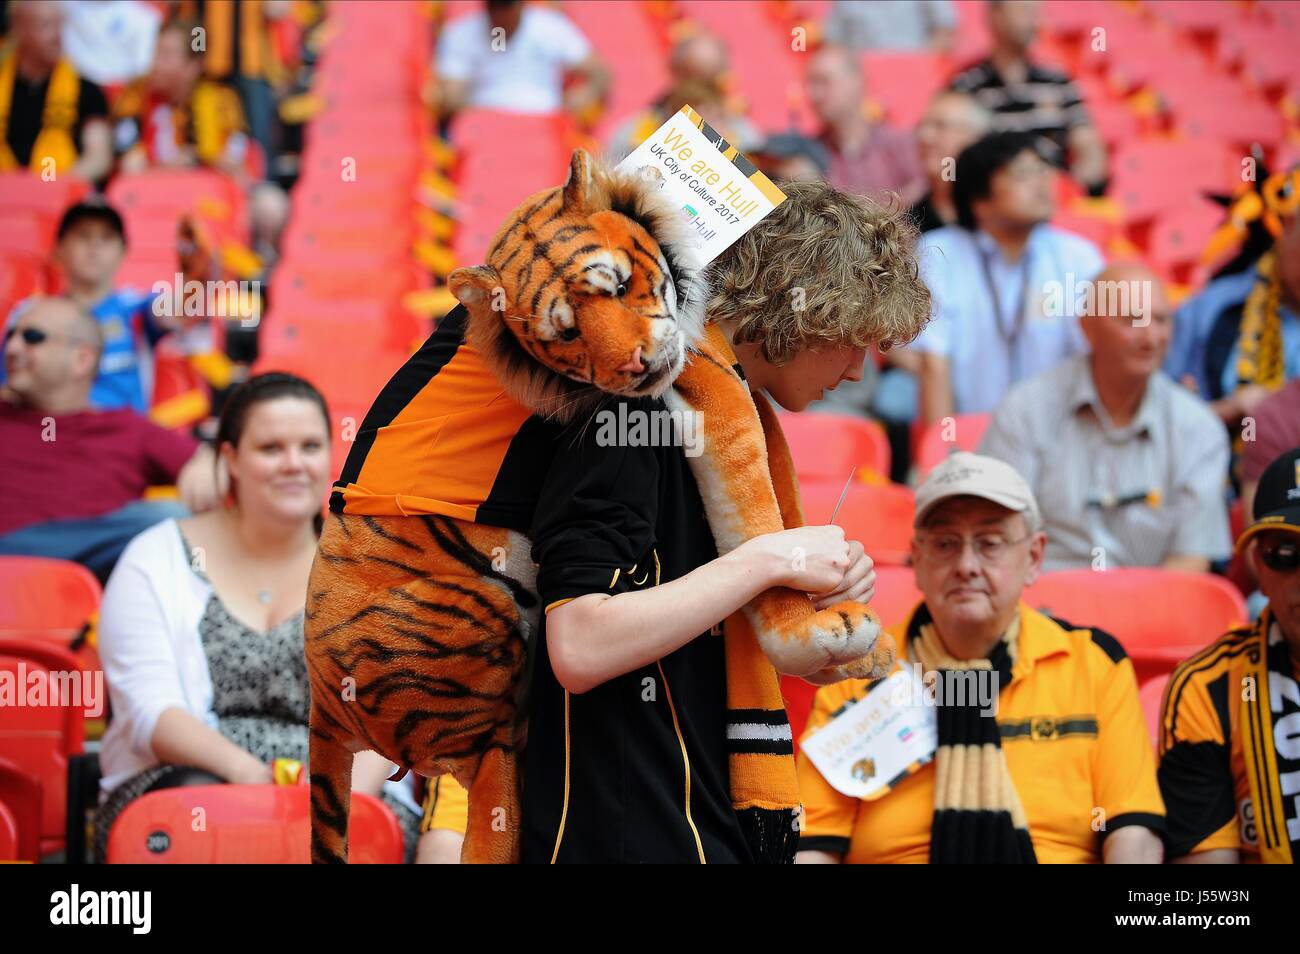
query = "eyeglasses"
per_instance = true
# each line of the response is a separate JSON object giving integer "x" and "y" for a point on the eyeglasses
{"x": 1281, "y": 557}
{"x": 32, "y": 336}
{"x": 947, "y": 547}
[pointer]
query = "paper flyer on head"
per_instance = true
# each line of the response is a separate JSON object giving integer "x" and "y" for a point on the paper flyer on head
{"x": 720, "y": 192}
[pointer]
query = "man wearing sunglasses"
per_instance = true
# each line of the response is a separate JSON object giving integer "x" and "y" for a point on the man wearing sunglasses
{"x": 1230, "y": 726}
{"x": 71, "y": 476}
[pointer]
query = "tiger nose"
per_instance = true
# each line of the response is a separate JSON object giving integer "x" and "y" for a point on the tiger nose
{"x": 634, "y": 364}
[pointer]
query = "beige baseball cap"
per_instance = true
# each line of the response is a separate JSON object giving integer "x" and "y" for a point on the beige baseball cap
{"x": 964, "y": 474}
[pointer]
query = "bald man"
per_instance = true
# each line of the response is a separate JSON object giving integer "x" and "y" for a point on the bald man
{"x": 950, "y": 123}
{"x": 74, "y": 475}
{"x": 57, "y": 121}
{"x": 1127, "y": 465}
{"x": 866, "y": 158}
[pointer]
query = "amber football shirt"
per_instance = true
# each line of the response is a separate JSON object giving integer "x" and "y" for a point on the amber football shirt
{"x": 1076, "y": 744}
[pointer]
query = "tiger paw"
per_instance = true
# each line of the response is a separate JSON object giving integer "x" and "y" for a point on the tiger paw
{"x": 847, "y": 631}
{"x": 875, "y": 665}
{"x": 800, "y": 641}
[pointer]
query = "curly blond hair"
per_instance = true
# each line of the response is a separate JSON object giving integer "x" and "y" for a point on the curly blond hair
{"x": 822, "y": 267}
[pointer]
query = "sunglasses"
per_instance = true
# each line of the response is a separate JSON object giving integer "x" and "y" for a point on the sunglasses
{"x": 32, "y": 336}
{"x": 1281, "y": 557}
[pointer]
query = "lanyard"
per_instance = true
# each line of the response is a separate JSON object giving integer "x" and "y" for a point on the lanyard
{"x": 1010, "y": 339}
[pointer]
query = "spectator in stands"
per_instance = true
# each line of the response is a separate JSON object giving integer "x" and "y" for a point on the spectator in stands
{"x": 951, "y": 122}
{"x": 240, "y": 52}
{"x": 90, "y": 247}
{"x": 991, "y": 276}
{"x": 792, "y": 157}
{"x": 112, "y": 42}
{"x": 1276, "y": 429}
{"x": 698, "y": 65}
{"x": 1128, "y": 466}
{"x": 705, "y": 97}
{"x": 1228, "y": 756}
{"x": 866, "y": 157}
{"x": 175, "y": 117}
{"x": 1027, "y": 97}
{"x": 1052, "y": 708}
{"x": 1238, "y": 340}
{"x": 51, "y": 119}
{"x": 915, "y": 25}
{"x": 74, "y": 475}
{"x": 201, "y": 627}
{"x": 517, "y": 58}
{"x": 442, "y": 827}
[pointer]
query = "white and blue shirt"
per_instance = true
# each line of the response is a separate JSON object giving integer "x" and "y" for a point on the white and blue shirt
{"x": 999, "y": 322}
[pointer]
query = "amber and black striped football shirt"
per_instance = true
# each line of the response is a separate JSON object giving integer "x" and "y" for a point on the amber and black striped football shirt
{"x": 444, "y": 437}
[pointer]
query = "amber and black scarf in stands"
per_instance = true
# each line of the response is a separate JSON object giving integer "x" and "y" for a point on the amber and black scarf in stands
{"x": 1260, "y": 360}
{"x": 57, "y": 138}
{"x": 978, "y": 816}
{"x": 1268, "y": 755}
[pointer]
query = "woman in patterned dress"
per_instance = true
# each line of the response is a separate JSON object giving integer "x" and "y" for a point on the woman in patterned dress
{"x": 202, "y": 621}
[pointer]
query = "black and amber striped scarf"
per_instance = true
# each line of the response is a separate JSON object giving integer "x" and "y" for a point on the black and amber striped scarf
{"x": 1268, "y": 757}
{"x": 978, "y": 817}
{"x": 1260, "y": 358}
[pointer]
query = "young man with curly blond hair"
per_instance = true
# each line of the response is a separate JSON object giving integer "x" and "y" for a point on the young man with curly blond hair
{"x": 628, "y": 746}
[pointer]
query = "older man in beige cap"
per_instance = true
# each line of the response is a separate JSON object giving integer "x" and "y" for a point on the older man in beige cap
{"x": 1044, "y": 758}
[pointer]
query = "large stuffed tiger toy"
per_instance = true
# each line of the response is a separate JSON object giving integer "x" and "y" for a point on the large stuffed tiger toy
{"x": 422, "y": 597}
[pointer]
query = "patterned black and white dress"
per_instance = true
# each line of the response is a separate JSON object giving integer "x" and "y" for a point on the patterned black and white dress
{"x": 262, "y": 700}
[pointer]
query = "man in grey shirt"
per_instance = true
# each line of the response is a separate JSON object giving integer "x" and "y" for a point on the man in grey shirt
{"x": 1129, "y": 467}
{"x": 915, "y": 25}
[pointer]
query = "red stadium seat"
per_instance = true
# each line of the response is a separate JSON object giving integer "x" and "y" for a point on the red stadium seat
{"x": 243, "y": 824}
{"x": 167, "y": 192}
{"x": 896, "y": 594}
{"x": 27, "y": 233}
{"x": 1178, "y": 237}
{"x": 904, "y": 82}
{"x": 21, "y": 275}
{"x": 1153, "y": 175}
{"x": 1160, "y": 616}
{"x": 1151, "y": 694}
{"x": 938, "y": 440}
{"x": 20, "y": 814}
{"x": 44, "y": 593}
{"x": 40, "y": 739}
{"x": 880, "y": 515}
{"x": 828, "y": 447}
{"x": 25, "y": 192}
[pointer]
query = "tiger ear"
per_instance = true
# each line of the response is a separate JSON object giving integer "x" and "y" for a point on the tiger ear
{"x": 577, "y": 188}
{"x": 475, "y": 285}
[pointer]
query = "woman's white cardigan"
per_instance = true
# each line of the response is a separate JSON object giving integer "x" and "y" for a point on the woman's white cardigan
{"x": 152, "y": 654}
{"x": 150, "y": 646}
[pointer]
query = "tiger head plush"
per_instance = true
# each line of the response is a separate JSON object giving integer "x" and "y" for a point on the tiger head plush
{"x": 592, "y": 288}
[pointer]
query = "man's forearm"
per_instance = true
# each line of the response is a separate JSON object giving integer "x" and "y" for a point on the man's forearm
{"x": 596, "y": 637}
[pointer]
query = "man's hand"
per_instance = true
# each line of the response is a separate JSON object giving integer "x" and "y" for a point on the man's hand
{"x": 859, "y": 582}
{"x": 199, "y": 483}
